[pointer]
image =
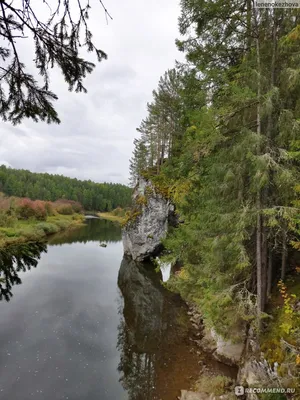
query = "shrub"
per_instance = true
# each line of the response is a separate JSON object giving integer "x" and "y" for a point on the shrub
{"x": 119, "y": 212}
{"x": 38, "y": 232}
{"x": 11, "y": 233}
{"x": 26, "y": 233}
{"x": 76, "y": 217}
{"x": 130, "y": 218}
{"x": 11, "y": 221}
{"x": 48, "y": 227}
{"x": 39, "y": 208}
{"x": 141, "y": 200}
{"x": 7, "y": 219}
{"x": 49, "y": 209}
{"x": 25, "y": 208}
{"x": 77, "y": 207}
{"x": 65, "y": 209}
{"x": 62, "y": 224}
{"x": 5, "y": 203}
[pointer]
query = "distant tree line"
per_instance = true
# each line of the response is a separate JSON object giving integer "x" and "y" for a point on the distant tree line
{"x": 43, "y": 186}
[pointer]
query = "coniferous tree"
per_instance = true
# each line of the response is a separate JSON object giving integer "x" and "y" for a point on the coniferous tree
{"x": 93, "y": 196}
{"x": 235, "y": 165}
{"x": 57, "y": 39}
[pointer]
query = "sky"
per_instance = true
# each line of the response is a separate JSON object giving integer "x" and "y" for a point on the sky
{"x": 95, "y": 138}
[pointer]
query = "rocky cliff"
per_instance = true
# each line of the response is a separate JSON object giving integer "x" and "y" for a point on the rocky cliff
{"x": 148, "y": 223}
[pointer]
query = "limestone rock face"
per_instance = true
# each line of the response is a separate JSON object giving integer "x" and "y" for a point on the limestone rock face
{"x": 142, "y": 237}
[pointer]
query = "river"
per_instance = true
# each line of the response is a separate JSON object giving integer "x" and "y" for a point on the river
{"x": 80, "y": 322}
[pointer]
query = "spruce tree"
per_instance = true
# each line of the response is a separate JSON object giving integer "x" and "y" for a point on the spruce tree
{"x": 57, "y": 39}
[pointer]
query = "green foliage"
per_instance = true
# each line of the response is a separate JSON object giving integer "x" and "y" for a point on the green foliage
{"x": 7, "y": 220}
{"x": 119, "y": 212}
{"x": 51, "y": 188}
{"x": 161, "y": 130}
{"x": 50, "y": 209}
{"x": 233, "y": 163}
{"x": 161, "y": 185}
{"x": 141, "y": 200}
{"x": 130, "y": 217}
{"x": 62, "y": 224}
{"x": 32, "y": 229}
{"x": 149, "y": 191}
{"x": 48, "y": 228}
{"x": 230, "y": 164}
{"x": 284, "y": 325}
{"x": 65, "y": 209}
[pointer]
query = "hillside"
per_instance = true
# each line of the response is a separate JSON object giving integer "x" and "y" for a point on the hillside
{"x": 43, "y": 186}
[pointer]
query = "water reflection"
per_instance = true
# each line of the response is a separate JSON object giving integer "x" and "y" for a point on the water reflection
{"x": 58, "y": 337}
{"x": 94, "y": 230}
{"x": 152, "y": 335}
{"x": 14, "y": 259}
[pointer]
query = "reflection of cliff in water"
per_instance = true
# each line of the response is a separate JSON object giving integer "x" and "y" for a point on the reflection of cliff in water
{"x": 94, "y": 229}
{"x": 153, "y": 336}
{"x": 15, "y": 259}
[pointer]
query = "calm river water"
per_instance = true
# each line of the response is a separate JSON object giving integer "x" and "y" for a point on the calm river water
{"x": 88, "y": 324}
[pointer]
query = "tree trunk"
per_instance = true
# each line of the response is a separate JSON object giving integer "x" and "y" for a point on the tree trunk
{"x": 270, "y": 274}
{"x": 249, "y": 28}
{"x": 284, "y": 256}
{"x": 158, "y": 153}
{"x": 259, "y": 258}
{"x": 264, "y": 272}
{"x": 259, "y": 266}
{"x": 270, "y": 126}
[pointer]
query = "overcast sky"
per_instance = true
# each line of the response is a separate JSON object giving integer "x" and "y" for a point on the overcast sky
{"x": 95, "y": 138}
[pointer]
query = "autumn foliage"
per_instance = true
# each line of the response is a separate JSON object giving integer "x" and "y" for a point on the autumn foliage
{"x": 25, "y": 208}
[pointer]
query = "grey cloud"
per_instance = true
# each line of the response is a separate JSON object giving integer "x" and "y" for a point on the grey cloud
{"x": 95, "y": 139}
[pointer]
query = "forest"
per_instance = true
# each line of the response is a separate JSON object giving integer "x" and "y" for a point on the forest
{"x": 222, "y": 139}
{"x": 43, "y": 186}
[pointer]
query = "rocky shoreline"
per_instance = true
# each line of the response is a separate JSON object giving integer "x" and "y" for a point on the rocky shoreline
{"x": 151, "y": 216}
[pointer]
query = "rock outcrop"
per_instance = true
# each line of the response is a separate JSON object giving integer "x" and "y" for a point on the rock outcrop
{"x": 225, "y": 351}
{"x": 151, "y": 216}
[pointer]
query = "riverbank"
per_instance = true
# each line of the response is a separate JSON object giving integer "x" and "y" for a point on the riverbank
{"x": 111, "y": 217}
{"x": 32, "y": 229}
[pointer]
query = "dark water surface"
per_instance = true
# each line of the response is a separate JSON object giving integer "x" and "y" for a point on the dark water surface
{"x": 86, "y": 324}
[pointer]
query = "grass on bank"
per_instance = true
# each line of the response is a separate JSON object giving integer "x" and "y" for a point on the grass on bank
{"x": 23, "y": 219}
{"x": 32, "y": 229}
{"x": 117, "y": 215}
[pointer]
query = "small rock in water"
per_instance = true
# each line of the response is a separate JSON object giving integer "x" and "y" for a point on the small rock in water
{"x": 103, "y": 244}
